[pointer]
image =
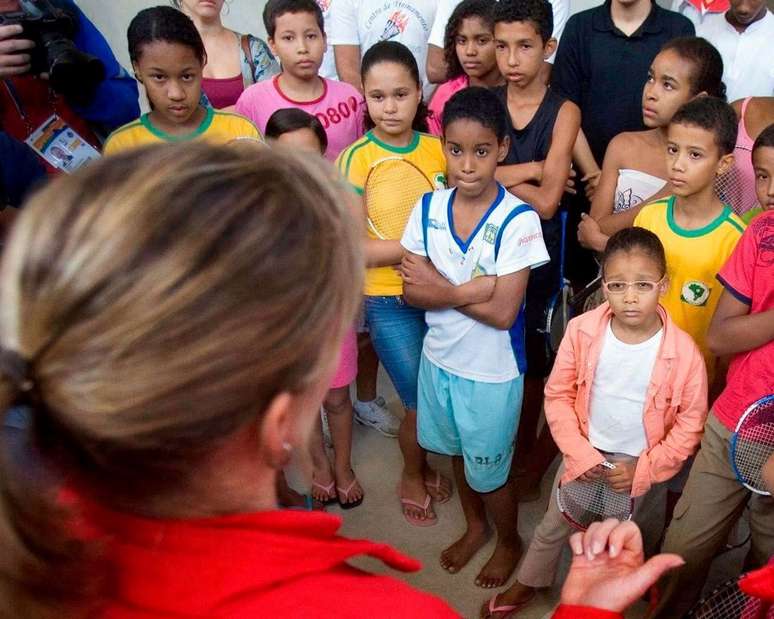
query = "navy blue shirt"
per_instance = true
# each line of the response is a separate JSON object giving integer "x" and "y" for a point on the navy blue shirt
{"x": 603, "y": 71}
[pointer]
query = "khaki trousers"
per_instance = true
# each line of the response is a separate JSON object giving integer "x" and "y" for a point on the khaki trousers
{"x": 711, "y": 503}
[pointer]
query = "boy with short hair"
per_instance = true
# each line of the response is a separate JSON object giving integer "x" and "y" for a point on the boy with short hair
{"x": 698, "y": 231}
{"x": 744, "y": 36}
{"x": 743, "y": 326}
{"x": 297, "y": 37}
{"x": 542, "y": 127}
{"x": 464, "y": 243}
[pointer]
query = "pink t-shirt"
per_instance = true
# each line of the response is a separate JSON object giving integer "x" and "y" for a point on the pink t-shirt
{"x": 442, "y": 94}
{"x": 339, "y": 109}
{"x": 749, "y": 276}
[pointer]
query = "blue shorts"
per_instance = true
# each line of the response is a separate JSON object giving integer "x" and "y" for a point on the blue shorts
{"x": 472, "y": 419}
{"x": 397, "y": 331}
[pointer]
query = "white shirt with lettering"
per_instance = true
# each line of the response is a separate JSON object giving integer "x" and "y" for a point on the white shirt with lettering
{"x": 618, "y": 393}
{"x": 365, "y": 22}
{"x": 507, "y": 239}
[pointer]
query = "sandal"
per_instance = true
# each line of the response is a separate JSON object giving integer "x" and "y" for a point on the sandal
{"x": 506, "y": 608}
{"x": 330, "y": 495}
{"x": 346, "y": 491}
{"x": 424, "y": 507}
{"x": 434, "y": 489}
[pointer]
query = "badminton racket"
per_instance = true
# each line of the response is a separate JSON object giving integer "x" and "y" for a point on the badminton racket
{"x": 392, "y": 189}
{"x": 585, "y": 502}
{"x": 558, "y": 313}
{"x": 752, "y": 443}
{"x": 736, "y": 187}
{"x": 729, "y": 602}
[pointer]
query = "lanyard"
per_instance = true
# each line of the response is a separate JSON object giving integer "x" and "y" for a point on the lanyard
{"x": 17, "y": 103}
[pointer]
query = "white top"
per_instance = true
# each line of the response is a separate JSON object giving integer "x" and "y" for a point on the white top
{"x": 634, "y": 187}
{"x": 561, "y": 10}
{"x": 365, "y": 22}
{"x": 508, "y": 238}
{"x": 328, "y": 67}
{"x": 618, "y": 394}
{"x": 748, "y": 69}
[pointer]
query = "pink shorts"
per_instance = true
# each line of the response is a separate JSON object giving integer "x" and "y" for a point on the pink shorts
{"x": 347, "y": 370}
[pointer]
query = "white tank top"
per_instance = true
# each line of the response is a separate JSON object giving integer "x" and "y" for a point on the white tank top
{"x": 634, "y": 187}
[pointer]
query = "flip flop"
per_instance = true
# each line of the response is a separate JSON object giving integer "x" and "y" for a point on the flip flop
{"x": 506, "y": 608}
{"x": 345, "y": 492}
{"x": 328, "y": 490}
{"x": 417, "y": 522}
{"x": 436, "y": 488}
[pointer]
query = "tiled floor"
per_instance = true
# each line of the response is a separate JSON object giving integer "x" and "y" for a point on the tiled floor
{"x": 377, "y": 463}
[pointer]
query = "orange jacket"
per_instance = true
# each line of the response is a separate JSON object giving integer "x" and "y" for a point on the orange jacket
{"x": 675, "y": 402}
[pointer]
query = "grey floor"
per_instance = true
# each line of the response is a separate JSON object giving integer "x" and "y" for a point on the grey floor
{"x": 377, "y": 462}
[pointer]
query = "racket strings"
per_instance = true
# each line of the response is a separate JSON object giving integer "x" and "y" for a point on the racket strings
{"x": 730, "y": 602}
{"x": 736, "y": 189}
{"x": 586, "y": 502}
{"x": 754, "y": 444}
{"x": 391, "y": 192}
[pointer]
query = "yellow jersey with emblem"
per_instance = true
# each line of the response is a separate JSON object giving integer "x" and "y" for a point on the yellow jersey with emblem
{"x": 217, "y": 128}
{"x": 694, "y": 258}
{"x": 425, "y": 151}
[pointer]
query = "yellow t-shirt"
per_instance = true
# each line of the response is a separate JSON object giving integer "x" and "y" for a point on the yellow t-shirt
{"x": 354, "y": 163}
{"x": 217, "y": 127}
{"x": 694, "y": 258}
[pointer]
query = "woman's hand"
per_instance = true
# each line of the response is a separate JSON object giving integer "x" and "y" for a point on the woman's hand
{"x": 608, "y": 569}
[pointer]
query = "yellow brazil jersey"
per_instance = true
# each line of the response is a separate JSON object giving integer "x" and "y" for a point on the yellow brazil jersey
{"x": 425, "y": 151}
{"x": 217, "y": 127}
{"x": 694, "y": 258}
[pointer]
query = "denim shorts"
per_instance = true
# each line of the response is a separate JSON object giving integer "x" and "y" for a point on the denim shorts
{"x": 397, "y": 331}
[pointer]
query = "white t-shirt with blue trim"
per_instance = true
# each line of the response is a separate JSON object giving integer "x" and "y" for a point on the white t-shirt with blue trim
{"x": 506, "y": 240}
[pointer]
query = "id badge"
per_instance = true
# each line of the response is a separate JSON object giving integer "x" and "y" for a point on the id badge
{"x": 61, "y": 146}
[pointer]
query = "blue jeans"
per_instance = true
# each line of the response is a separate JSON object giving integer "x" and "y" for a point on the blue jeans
{"x": 397, "y": 331}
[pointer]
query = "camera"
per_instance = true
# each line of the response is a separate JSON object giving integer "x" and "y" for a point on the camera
{"x": 52, "y": 26}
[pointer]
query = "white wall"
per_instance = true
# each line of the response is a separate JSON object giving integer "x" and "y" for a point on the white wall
{"x": 112, "y": 17}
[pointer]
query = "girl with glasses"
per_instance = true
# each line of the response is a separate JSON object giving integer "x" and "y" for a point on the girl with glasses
{"x": 626, "y": 381}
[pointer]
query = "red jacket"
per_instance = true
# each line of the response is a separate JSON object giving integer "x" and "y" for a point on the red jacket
{"x": 266, "y": 564}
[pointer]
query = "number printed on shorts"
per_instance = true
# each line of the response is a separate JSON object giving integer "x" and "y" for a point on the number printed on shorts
{"x": 334, "y": 115}
{"x": 487, "y": 461}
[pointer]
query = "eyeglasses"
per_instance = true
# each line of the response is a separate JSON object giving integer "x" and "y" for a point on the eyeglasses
{"x": 639, "y": 287}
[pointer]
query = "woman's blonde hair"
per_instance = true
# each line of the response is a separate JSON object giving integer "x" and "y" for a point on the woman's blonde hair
{"x": 153, "y": 304}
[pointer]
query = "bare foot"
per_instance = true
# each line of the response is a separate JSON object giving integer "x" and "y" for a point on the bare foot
{"x": 500, "y": 566}
{"x": 413, "y": 489}
{"x": 347, "y": 487}
{"x": 518, "y": 595}
{"x": 437, "y": 486}
{"x": 456, "y": 556}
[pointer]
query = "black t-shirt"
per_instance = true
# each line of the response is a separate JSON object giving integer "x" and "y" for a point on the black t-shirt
{"x": 603, "y": 71}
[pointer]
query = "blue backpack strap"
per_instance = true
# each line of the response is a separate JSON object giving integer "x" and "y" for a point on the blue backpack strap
{"x": 522, "y": 208}
{"x": 426, "y": 217}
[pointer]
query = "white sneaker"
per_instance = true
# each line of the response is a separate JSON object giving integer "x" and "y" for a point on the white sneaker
{"x": 376, "y": 415}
